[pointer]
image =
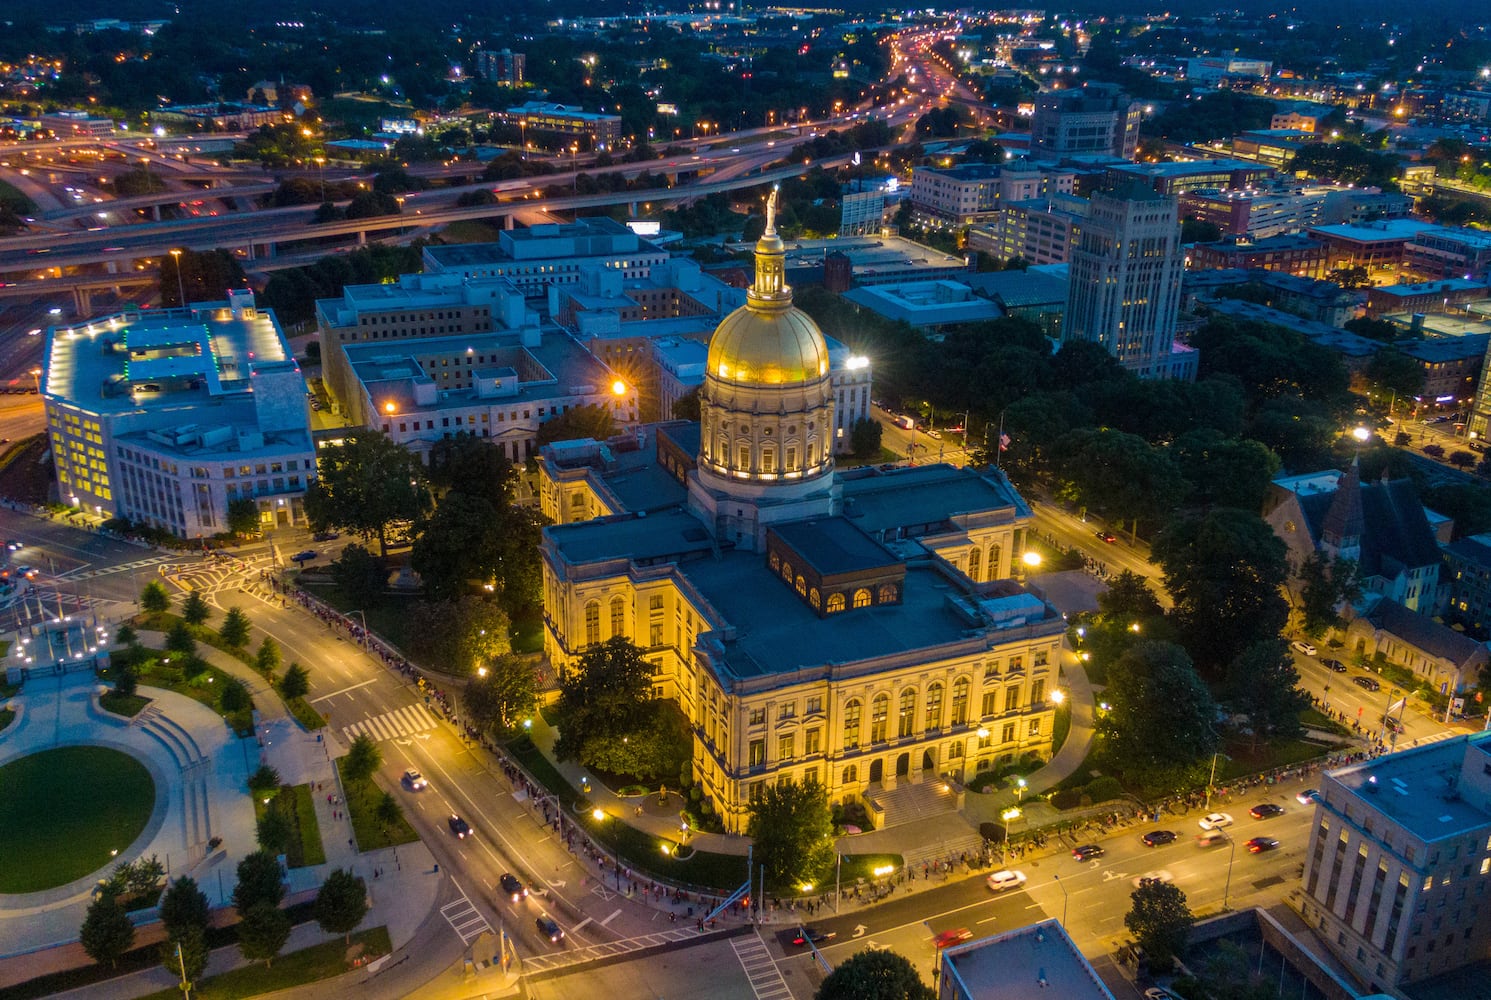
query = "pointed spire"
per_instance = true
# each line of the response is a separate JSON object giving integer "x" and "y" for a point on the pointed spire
{"x": 1343, "y": 521}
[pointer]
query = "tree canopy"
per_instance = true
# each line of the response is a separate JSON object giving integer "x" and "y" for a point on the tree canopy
{"x": 792, "y": 829}
{"x": 365, "y": 485}
{"x": 341, "y": 903}
{"x": 498, "y": 700}
{"x": 1162, "y": 723}
{"x": 876, "y": 974}
{"x": 1160, "y": 921}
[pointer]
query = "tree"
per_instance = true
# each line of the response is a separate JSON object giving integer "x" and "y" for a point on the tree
{"x": 1225, "y": 472}
{"x": 260, "y": 880}
{"x": 501, "y": 695}
{"x": 1160, "y": 727}
{"x": 194, "y": 609}
{"x": 262, "y": 932}
{"x": 1160, "y": 921}
{"x": 388, "y": 811}
{"x": 1224, "y": 571}
{"x": 234, "y": 697}
{"x": 273, "y": 831}
{"x": 686, "y": 407}
{"x": 126, "y": 635}
{"x": 603, "y": 696}
{"x": 459, "y": 635}
{"x": 1392, "y": 371}
{"x": 243, "y": 516}
{"x": 106, "y": 932}
{"x": 1199, "y": 231}
{"x": 154, "y": 599}
{"x": 267, "y": 659}
{"x": 589, "y": 421}
{"x": 874, "y": 975}
{"x": 865, "y": 437}
{"x": 264, "y": 780}
{"x": 792, "y": 828}
{"x": 359, "y": 575}
{"x": 1121, "y": 474}
{"x": 185, "y": 954}
{"x": 658, "y": 746}
{"x": 235, "y": 628}
{"x": 1461, "y": 459}
{"x": 1325, "y": 583}
{"x": 204, "y": 275}
{"x": 296, "y": 683}
{"x": 472, "y": 465}
{"x": 341, "y": 904}
{"x": 1263, "y": 684}
{"x": 126, "y": 681}
{"x": 363, "y": 758}
{"x": 179, "y": 640}
{"x": 366, "y": 485}
{"x": 183, "y": 906}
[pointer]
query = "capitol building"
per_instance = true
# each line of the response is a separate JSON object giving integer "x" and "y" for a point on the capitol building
{"x": 860, "y": 627}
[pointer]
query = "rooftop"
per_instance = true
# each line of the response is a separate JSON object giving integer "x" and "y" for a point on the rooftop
{"x": 1349, "y": 344}
{"x": 1184, "y": 168}
{"x": 1432, "y": 287}
{"x": 1411, "y": 786}
{"x": 1382, "y": 231}
{"x": 585, "y": 237}
{"x": 1438, "y": 350}
{"x": 1019, "y": 964}
{"x": 833, "y": 545}
{"x": 879, "y": 501}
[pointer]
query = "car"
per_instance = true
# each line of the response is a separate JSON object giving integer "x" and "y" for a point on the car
{"x": 326, "y": 536}
{"x": 550, "y": 929}
{"x": 1003, "y": 881}
{"x": 459, "y": 827}
{"x": 1307, "y": 797}
{"x": 803, "y": 935}
{"x": 305, "y": 556}
{"x": 1206, "y": 838}
{"x": 1334, "y": 666}
{"x": 29, "y": 572}
{"x": 1370, "y": 683}
{"x": 1155, "y": 876}
{"x": 1393, "y": 725}
{"x": 1086, "y": 852}
{"x": 1266, "y": 810}
{"x": 13, "y": 545}
{"x": 1301, "y": 646}
{"x": 1155, "y": 838}
{"x": 1260, "y": 844}
{"x": 512, "y": 887}
{"x": 414, "y": 781}
{"x": 1107, "y": 536}
{"x": 1159, "y": 993}
{"x": 1215, "y": 821}
{"x": 34, "y": 332}
{"x": 951, "y": 937}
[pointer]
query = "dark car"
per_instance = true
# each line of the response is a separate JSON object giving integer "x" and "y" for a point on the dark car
{"x": 1107, "y": 536}
{"x": 1265, "y": 810}
{"x": 1155, "y": 838}
{"x": 549, "y": 929}
{"x": 326, "y": 536}
{"x": 13, "y": 545}
{"x": 514, "y": 889}
{"x": 1370, "y": 683}
{"x": 1334, "y": 666}
{"x": 1086, "y": 852}
{"x": 305, "y": 556}
{"x": 803, "y": 935}
{"x": 459, "y": 827}
{"x": 1260, "y": 844}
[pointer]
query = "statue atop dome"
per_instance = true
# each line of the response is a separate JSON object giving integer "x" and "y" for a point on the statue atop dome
{"x": 771, "y": 212}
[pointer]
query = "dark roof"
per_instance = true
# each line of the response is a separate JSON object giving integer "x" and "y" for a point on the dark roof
{"x": 1471, "y": 550}
{"x": 683, "y": 433}
{"x": 1423, "y": 632}
{"x": 1394, "y": 528}
{"x": 1344, "y": 517}
{"x": 833, "y": 546}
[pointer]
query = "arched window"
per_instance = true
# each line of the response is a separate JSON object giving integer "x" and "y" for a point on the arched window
{"x": 815, "y": 598}
{"x": 618, "y": 615}
{"x": 592, "y": 623}
{"x": 786, "y": 571}
{"x": 973, "y": 564}
{"x": 851, "y": 774}
{"x": 835, "y": 602}
{"x": 851, "y": 725}
{"x": 934, "y": 705}
{"x": 887, "y": 593}
{"x": 960, "y": 701}
{"x": 879, "y": 711}
{"x": 774, "y": 561}
{"x": 862, "y": 597}
{"x": 906, "y": 713}
{"x": 802, "y": 586}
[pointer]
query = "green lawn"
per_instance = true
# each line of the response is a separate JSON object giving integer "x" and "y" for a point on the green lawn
{"x": 1061, "y": 726}
{"x": 6, "y": 717}
{"x": 205, "y": 687}
{"x": 309, "y": 719}
{"x": 471, "y": 231}
{"x": 294, "y": 803}
{"x": 63, "y": 811}
{"x": 123, "y": 704}
{"x": 1316, "y": 720}
{"x": 308, "y": 965}
{"x": 362, "y": 799}
{"x": 388, "y": 617}
{"x": 10, "y": 193}
{"x": 1279, "y": 753}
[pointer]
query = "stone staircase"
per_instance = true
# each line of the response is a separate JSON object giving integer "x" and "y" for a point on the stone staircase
{"x": 196, "y": 804}
{"x": 909, "y": 802}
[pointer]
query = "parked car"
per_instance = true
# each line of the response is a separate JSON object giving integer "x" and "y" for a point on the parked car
{"x": 1302, "y": 646}
{"x": 1002, "y": 881}
{"x": 803, "y": 935}
{"x": 459, "y": 827}
{"x": 1260, "y": 844}
{"x": 1155, "y": 838}
{"x": 1334, "y": 666}
{"x": 550, "y": 929}
{"x": 1086, "y": 852}
{"x": 1370, "y": 683}
{"x": 1266, "y": 810}
{"x": 1215, "y": 821}
{"x": 512, "y": 887}
{"x": 414, "y": 781}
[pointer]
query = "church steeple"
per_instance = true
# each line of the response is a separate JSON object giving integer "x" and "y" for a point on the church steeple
{"x": 1341, "y": 531}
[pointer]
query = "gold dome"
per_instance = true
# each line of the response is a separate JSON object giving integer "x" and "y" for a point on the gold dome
{"x": 767, "y": 341}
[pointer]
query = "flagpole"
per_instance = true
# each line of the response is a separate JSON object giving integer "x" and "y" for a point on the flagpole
{"x": 999, "y": 441}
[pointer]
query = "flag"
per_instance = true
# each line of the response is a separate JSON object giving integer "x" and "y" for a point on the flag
{"x": 1004, "y": 442}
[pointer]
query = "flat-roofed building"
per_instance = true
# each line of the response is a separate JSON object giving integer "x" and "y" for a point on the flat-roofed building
{"x": 1038, "y": 230}
{"x": 1275, "y": 147}
{"x": 167, "y": 417}
{"x": 549, "y": 254}
{"x": 1017, "y": 965}
{"x": 962, "y": 195}
{"x": 1290, "y": 253}
{"x": 1377, "y": 246}
{"x": 1093, "y": 118}
{"x": 1448, "y": 252}
{"x": 1255, "y": 213}
{"x": 1445, "y": 295}
{"x": 1399, "y": 854}
{"x": 1190, "y": 175}
{"x": 558, "y": 126}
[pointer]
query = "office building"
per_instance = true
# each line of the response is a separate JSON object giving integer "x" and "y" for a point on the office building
{"x": 1037, "y": 960}
{"x": 1180, "y": 176}
{"x": 1379, "y": 246}
{"x": 1274, "y": 147}
{"x": 1093, "y": 118}
{"x": 1448, "y": 252}
{"x": 1124, "y": 291}
{"x": 1304, "y": 116}
{"x": 505, "y": 66}
{"x": 1399, "y": 859}
{"x": 1478, "y": 426}
{"x": 168, "y": 416}
{"x": 1446, "y": 295}
{"x": 972, "y": 192}
{"x": 1290, "y": 253}
{"x": 560, "y": 127}
{"x": 1039, "y": 230}
{"x": 1213, "y": 69}
{"x": 1467, "y": 567}
{"x": 549, "y": 254}
{"x": 1255, "y": 214}
{"x": 858, "y": 629}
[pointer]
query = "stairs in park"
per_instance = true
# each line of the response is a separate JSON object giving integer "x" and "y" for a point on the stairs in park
{"x": 195, "y": 767}
{"x": 912, "y": 801}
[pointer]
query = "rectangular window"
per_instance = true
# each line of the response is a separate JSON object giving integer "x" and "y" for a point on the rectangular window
{"x": 757, "y": 753}
{"x": 784, "y": 747}
{"x": 758, "y": 717}
{"x": 815, "y": 705}
{"x": 812, "y": 741}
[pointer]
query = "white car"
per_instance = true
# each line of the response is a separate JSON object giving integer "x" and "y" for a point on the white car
{"x": 414, "y": 781}
{"x": 1215, "y": 821}
{"x": 1306, "y": 797}
{"x": 1002, "y": 881}
{"x": 1301, "y": 646}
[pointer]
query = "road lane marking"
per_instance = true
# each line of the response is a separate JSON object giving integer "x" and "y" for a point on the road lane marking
{"x": 615, "y": 913}
{"x": 581, "y": 924}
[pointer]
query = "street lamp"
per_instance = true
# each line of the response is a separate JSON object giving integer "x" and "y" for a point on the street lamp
{"x": 1059, "y": 885}
{"x": 180, "y": 288}
{"x": 1231, "y": 856}
{"x": 321, "y": 166}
